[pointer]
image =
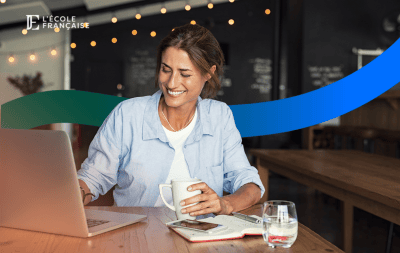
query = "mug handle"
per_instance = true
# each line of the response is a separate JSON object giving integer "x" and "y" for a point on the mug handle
{"x": 160, "y": 186}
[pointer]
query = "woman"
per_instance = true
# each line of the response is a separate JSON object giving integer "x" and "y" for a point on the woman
{"x": 178, "y": 132}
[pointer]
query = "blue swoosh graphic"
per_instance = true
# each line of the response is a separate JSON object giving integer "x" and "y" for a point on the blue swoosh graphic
{"x": 256, "y": 119}
{"x": 324, "y": 103}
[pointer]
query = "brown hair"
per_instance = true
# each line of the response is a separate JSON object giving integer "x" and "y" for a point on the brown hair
{"x": 203, "y": 50}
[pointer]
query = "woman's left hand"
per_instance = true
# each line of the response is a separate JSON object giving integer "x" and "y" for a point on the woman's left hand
{"x": 209, "y": 202}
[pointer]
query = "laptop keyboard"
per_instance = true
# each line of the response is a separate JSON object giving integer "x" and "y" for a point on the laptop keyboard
{"x": 93, "y": 223}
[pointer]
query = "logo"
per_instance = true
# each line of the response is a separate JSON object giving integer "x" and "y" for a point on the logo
{"x": 52, "y": 22}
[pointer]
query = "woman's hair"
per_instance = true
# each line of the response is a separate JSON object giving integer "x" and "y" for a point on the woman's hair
{"x": 203, "y": 50}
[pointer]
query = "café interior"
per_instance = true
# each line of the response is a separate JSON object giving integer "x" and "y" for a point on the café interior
{"x": 273, "y": 49}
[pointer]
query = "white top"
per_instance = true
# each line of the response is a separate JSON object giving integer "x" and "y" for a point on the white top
{"x": 179, "y": 168}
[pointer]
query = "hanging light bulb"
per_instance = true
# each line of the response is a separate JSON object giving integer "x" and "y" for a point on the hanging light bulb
{"x": 134, "y": 32}
{"x": 153, "y": 34}
{"x": 11, "y": 59}
{"x": 163, "y": 9}
{"x": 56, "y": 29}
{"x": 193, "y": 22}
{"x": 138, "y": 15}
{"x": 267, "y": 11}
{"x": 93, "y": 43}
{"x": 53, "y": 52}
{"x": 231, "y": 1}
{"x": 3, "y": 1}
{"x": 24, "y": 31}
{"x": 85, "y": 23}
{"x": 73, "y": 45}
{"x": 187, "y": 6}
{"x": 210, "y": 5}
{"x": 231, "y": 21}
{"x": 114, "y": 18}
{"x": 114, "y": 40}
{"x": 32, "y": 57}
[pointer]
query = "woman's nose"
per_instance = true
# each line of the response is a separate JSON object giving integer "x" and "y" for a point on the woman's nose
{"x": 173, "y": 81}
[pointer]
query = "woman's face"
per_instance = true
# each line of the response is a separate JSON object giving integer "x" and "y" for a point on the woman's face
{"x": 180, "y": 81}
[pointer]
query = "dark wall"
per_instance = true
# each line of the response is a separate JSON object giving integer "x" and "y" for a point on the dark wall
{"x": 332, "y": 28}
{"x": 131, "y": 61}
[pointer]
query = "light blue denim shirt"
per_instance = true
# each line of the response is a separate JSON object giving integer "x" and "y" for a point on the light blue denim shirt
{"x": 131, "y": 151}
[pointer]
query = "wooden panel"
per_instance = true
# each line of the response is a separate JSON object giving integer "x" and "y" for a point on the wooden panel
{"x": 378, "y": 113}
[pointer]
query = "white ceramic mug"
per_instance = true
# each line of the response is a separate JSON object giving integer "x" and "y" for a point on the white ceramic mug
{"x": 179, "y": 193}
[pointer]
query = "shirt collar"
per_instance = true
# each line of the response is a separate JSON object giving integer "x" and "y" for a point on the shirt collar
{"x": 152, "y": 127}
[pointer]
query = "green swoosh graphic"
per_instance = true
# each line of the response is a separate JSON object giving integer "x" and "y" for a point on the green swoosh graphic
{"x": 60, "y": 106}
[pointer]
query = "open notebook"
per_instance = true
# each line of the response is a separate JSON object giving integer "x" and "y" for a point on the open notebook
{"x": 237, "y": 228}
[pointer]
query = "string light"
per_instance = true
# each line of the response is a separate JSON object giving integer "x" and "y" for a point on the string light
{"x": 134, "y": 32}
{"x": 193, "y": 22}
{"x": 153, "y": 34}
{"x": 267, "y": 11}
{"x": 56, "y": 29}
{"x": 231, "y": 1}
{"x": 210, "y": 5}
{"x": 11, "y": 59}
{"x": 138, "y": 15}
{"x": 93, "y": 43}
{"x": 114, "y": 20}
{"x": 188, "y": 7}
{"x": 85, "y": 23}
{"x": 163, "y": 9}
{"x": 173, "y": 29}
{"x": 32, "y": 57}
{"x": 114, "y": 40}
{"x": 24, "y": 31}
{"x": 53, "y": 52}
{"x": 73, "y": 45}
{"x": 231, "y": 21}
{"x": 3, "y": 1}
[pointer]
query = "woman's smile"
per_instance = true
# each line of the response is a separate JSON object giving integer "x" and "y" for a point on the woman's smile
{"x": 175, "y": 93}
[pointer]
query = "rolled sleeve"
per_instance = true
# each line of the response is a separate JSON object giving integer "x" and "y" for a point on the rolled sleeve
{"x": 237, "y": 169}
{"x": 100, "y": 170}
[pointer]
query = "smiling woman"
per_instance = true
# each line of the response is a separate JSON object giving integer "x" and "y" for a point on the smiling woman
{"x": 179, "y": 132}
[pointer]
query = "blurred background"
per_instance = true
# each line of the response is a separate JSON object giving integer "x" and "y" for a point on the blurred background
{"x": 273, "y": 49}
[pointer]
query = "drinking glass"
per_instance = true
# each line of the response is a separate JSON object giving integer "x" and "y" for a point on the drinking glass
{"x": 279, "y": 223}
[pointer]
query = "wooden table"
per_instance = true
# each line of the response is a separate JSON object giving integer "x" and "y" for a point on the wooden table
{"x": 151, "y": 235}
{"x": 367, "y": 181}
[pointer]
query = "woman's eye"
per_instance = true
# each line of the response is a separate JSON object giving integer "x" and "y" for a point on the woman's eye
{"x": 165, "y": 71}
{"x": 185, "y": 75}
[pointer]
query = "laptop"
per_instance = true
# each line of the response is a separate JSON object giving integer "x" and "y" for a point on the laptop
{"x": 39, "y": 187}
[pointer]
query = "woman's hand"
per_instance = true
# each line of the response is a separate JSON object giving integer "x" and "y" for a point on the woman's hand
{"x": 209, "y": 202}
{"x": 246, "y": 196}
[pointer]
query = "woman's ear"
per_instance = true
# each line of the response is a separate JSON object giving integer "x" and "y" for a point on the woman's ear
{"x": 212, "y": 70}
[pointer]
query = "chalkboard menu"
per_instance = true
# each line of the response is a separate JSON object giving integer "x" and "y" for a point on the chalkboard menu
{"x": 328, "y": 38}
{"x": 141, "y": 71}
{"x": 321, "y": 76}
{"x": 262, "y": 74}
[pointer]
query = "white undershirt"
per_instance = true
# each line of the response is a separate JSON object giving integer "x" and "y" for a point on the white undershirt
{"x": 179, "y": 168}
